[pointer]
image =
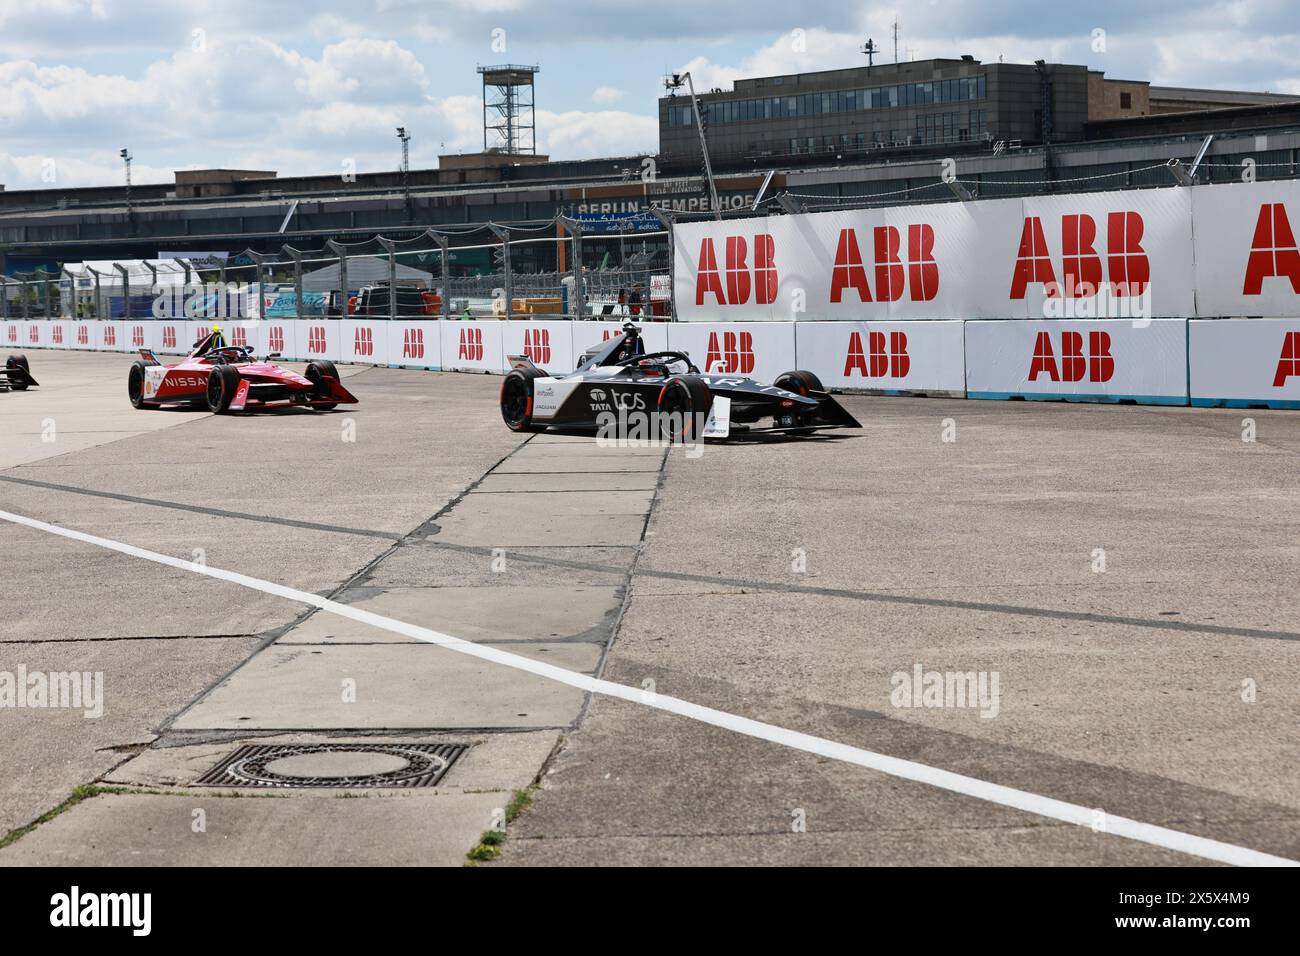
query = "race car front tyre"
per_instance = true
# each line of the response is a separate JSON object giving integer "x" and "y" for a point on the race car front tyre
{"x": 320, "y": 372}
{"x": 517, "y": 399}
{"x": 223, "y": 382}
{"x": 801, "y": 383}
{"x": 684, "y": 406}
{"x": 18, "y": 382}
{"x": 135, "y": 386}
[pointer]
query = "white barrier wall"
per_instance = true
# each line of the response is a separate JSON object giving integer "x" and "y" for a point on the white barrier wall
{"x": 548, "y": 345}
{"x": 414, "y": 344}
{"x": 1247, "y": 262}
{"x": 1241, "y": 363}
{"x": 885, "y": 357}
{"x": 761, "y": 350}
{"x": 1105, "y": 361}
{"x": 472, "y": 346}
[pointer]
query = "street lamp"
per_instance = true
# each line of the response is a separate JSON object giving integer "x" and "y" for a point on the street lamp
{"x": 130, "y": 211}
{"x": 672, "y": 84}
{"x": 405, "y": 137}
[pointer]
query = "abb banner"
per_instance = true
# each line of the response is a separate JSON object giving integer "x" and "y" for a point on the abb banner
{"x": 317, "y": 339}
{"x": 472, "y": 346}
{"x": 761, "y": 350}
{"x": 364, "y": 342}
{"x": 548, "y": 344}
{"x": 885, "y": 357}
{"x": 1111, "y": 360}
{"x": 413, "y": 345}
{"x": 1081, "y": 256}
{"x": 1247, "y": 263}
{"x": 1245, "y": 362}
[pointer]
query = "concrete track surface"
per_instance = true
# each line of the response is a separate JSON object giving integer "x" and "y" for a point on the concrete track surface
{"x": 1122, "y": 580}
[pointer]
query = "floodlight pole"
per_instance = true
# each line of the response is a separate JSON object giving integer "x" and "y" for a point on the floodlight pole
{"x": 405, "y": 137}
{"x": 130, "y": 210}
{"x": 341, "y": 251}
{"x": 502, "y": 233}
{"x": 675, "y": 83}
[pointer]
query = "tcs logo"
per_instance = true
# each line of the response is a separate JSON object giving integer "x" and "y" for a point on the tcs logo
{"x": 1097, "y": 364}
{"x": 363, "y": 342}
{"x": 709, "y": 281}
{"x": 733, "y": 353}
{"x": 921, "y": 269}
{"x": 413, "y": 343}
{"x": 316, "y": 340}
{"x": 1127, "y": 265}
{"x": 883, "y": 357}
{"x": 537, "y": 345}
{"x": 471, "y": 345}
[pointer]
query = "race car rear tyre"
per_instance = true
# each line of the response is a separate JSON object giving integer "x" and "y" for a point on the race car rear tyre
{"x": 517, "y": 399}
{"x": 135, "y": 386}
{"x": 223, "y": 381}
{"x": 801, "y": 383}
{"x": 318, "y": 373}
{"x": 684, "y": 406}
{"x": 18, "y": 383}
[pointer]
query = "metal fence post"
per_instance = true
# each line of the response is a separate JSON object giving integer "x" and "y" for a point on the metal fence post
{"x": 126, "y": 290}
{"x": 502, "y": 233}
{"x": 392, "y": 276}
{"x": 443, "y": 248}
{"x": 579, "y": 291}
{"x": 341, "y": 251}
{"x": 296, "y": 256}
{"x": 4, "y": 298}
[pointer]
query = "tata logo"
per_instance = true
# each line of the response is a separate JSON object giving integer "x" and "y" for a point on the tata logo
{"x": 83, "y": 335}
{"x": 239, "y": 337}
{"x": 919, "y": 274}
{"x": 137, "y": 336}
{"x": 740, "y": 279}
{"x": 316, "y": 340}
{"x": 413, "y": 343}
{"x": 1273, "y": 252}
{"x": 275, "y": 339}
{"x": 1082, "y": 274}
{"x": 884, "y": 357}
{"x": 597, "y": 394}
{"x": 1097, "y": 364}
{"x": 363, "y": 342}
{"x": 110, "y": 335}
{"x": 537, "y": 345}
{"x": 57, "y": 333}
{"x": 1289, "y": 363}
{"x": 730, "y": 352}
{"x": 471, "y": 345}
{"x": 169, "y": 337}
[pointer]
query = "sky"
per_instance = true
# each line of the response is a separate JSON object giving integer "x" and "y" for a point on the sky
{"x": 321, "y": 86}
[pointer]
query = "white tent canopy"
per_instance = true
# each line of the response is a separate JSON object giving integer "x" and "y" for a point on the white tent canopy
{"x": 169, "y": 272}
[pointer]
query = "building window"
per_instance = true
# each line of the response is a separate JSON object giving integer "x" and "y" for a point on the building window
{"x": 1126, "y": 101}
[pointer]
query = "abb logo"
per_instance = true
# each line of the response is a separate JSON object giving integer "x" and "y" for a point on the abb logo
{"x": 57, "y": 334}
{"x": 13, "y": 334}
{"x": 1098, "y": 364}
{"x": 708, "y": 280}
{"x": 239, "y": 337}
{"x": 920, "y": 271}
{"x": 734, "y": 354}
{"x": 471, "y": 345}
{"x": 275, "y": 339}
{"x": 137, "y": 336}
{"x": 413, "y": 343}
{"x": 83, "y": 335}
{"x": 1289, "y": 363}
{"x": 363, "y": 342}
{"x": 882, "y": 357}
{"x": 537, "y": 346}
{"x": 316, "y": 340}
{"x": 1272, "y": 251}
{"x": 1127, "y": 265}
{"x": 169, "y": 337}
{"x": 110, "y": 335}
{"x": 34, "y": 334}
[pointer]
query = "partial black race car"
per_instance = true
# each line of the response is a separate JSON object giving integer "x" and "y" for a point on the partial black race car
{"x": 16, "y": 374}
{"x": 619, "y": 387}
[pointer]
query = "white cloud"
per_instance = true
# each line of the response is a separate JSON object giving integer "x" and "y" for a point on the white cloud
{"x": 606, "y": 95}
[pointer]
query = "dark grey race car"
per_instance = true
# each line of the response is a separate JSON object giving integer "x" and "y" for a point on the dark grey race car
{"x": 618, "y": 385}
{"x": 15, "y": 374}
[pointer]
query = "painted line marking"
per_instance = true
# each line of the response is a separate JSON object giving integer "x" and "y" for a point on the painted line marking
{"x": 1175, "y": 840}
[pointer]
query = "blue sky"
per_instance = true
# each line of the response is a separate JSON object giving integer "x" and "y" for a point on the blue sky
{"x": 303, "y": 88}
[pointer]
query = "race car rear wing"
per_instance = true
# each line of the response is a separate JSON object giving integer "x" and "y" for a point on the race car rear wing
{"x": 524, "y": 362}
{"x": 149, "y": 357}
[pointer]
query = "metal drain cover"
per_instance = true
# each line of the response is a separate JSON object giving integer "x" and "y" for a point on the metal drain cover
{"x": 334, "y": 765}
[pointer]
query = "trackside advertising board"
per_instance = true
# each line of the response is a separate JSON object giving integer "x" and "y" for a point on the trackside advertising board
{"x": 761, "y": 350}
{"x": 888, "y": 358}
{"x": 1242, "y": 363}
{"x": 1206, "y": 251}
{"x": 1099, "y": 361}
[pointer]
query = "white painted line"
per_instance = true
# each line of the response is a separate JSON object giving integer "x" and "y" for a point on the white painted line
{"x": 905, "y": 769}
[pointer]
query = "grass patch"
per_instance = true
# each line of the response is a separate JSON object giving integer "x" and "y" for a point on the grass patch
{"x": 490, "y": 843}
{"x": 83, "y": 792}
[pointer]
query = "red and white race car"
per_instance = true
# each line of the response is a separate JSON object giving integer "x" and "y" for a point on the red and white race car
{"x": 228, "y": 378}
